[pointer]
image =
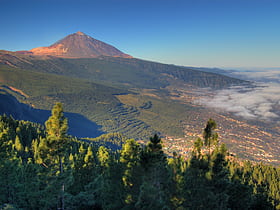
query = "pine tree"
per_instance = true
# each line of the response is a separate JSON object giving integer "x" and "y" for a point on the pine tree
{"x": 154, "y": 191}
{"x": 197, "y": 147}
{"x": 177, "y": 166}
{"x": 89, "y": 158}
{"x": 56, "y": 128}
{"x": 18, "y": 145}
{"x": 57, "y": 141}
{"x": 130, "y": 158}
{"x": 210, "y": 138}
{"x": 104, "y": 158}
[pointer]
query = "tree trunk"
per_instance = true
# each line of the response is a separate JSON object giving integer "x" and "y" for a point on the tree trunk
{"x": 62, "y": 187}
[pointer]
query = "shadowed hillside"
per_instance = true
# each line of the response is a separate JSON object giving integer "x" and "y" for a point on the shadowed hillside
{"x": 78, "y": 125}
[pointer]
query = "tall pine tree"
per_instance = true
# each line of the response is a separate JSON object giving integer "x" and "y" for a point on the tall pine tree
{"x": 57, "y": 143}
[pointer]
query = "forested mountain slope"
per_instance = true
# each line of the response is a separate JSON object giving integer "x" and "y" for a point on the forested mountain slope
{"x": 79, "y": 125}
{"x": 131, "y": 96}
{"x": 48, "y": 169}
{"x": 90, "y": 86}
{"x": 97, "y": 102}
{"x": 126, "y": 71}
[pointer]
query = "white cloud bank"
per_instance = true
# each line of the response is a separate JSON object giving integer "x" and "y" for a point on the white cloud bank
{"x": 272, "y": 75}
{"x": 262, "y": 102}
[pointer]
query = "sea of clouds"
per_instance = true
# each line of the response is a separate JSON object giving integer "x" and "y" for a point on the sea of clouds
{"x": 260, "y": 101}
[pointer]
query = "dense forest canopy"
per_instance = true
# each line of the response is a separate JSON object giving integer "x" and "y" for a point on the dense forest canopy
{"x": 42, "y": 167}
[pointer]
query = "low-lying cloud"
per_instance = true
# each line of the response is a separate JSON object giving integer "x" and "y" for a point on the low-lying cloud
{"x": 259, "y": 102}
{"x": 272, "y": 75}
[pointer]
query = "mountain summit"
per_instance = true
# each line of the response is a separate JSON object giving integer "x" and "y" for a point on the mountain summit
{"x": 79, "y": 45}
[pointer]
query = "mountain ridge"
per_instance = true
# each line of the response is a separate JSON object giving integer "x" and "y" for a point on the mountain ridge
{"x": 128, "y": 95}
{"x": 77, "y": 45}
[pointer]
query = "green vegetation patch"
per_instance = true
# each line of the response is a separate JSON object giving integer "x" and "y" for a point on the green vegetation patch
{"x": 165, "y": 116}
{"x": 44, "y": 168}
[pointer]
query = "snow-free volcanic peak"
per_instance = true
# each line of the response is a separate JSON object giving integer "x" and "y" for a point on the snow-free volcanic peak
{"x": 79, "y": 45}
{"x": 80, "y": 33}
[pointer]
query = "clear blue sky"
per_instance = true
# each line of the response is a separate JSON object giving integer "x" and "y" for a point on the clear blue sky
{"x": 210, "y": 33}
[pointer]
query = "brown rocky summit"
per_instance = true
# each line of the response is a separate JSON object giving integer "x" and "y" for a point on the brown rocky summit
{"x": 79, "y": 45}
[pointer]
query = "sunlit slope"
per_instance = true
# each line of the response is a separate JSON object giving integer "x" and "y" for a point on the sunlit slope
{"x": 138, "y": 103}
{"x": 95, "y": 101}
{"x": 94, "y": 88}
{"x": 135, "y": 114}
{"x": 122, "y": 71}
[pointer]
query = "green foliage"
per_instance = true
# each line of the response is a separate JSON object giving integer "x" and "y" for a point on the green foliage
{"x": 103, "y": 157}
{"x": 131, "y": 177}
{"x": 154, "y": 190}
{"x": 56, "y": 125}
{"x": 18, "y": 145}
{"x": 164, "y": 116}
{"x": 130, "y": 159}
{"x": 56, "y": 128}
{"x": 210, "y": 138}
{"x": 198, "y": 144}
{"x": 112, "y": 140}
{"x": 91, "y": 87}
